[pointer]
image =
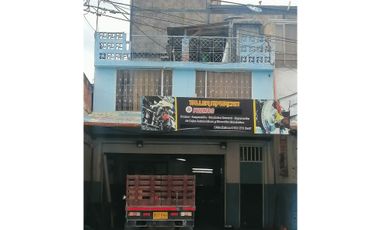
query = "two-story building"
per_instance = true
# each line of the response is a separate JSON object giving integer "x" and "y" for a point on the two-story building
{"x": 244, "y": 178}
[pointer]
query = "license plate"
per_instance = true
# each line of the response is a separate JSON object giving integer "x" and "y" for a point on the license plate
{"x": 160, "y": 215}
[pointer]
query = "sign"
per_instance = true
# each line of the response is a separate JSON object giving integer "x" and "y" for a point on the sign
{"x": 180, "y": 113}
{"x": 160, "y": 215}
{"x": 215, "y": 114}
{"x": 271, "y": 117}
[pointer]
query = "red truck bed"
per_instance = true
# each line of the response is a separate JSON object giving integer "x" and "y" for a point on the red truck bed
{"x": 160, "y": 200}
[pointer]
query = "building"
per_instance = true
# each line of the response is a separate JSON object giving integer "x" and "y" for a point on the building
{"x": 88, "y": 91}
{"x": 254, "y": 176}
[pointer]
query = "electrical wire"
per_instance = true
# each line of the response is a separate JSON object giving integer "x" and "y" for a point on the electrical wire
{"x": 128, "y": 20}
{"x": 88, "y": 22}
{"x": 137, "y": 27}
{"x": 199, "y": 15}
{"x": 137, "y": 15}
{"x": 120, "y": 8}
{"x": 161, "y": 19}
{"x": 156, "y": 11}
{"x": 272, "y": 37}
{"x": 249, "y": 33}
{"x": 125, "y": 12}
{"x": 122, "y": 19}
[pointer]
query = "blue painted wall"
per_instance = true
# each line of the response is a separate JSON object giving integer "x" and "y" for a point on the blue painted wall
{"x": 104, "y": 90}
{"x": 183, "y": 65}
{"x": 262, "y": 84}
{"x": 183, "y": 86}
{"x": 183, "y": 82}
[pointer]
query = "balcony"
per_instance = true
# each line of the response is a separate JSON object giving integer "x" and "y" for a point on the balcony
{"x": 113, "y": 48}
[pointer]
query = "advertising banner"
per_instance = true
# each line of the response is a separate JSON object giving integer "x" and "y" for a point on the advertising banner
{"x": 215, "y": 114}
{"x": 166, "y": 113}
{"x": 271, "y": 117}
{"x": 158, "y": 113}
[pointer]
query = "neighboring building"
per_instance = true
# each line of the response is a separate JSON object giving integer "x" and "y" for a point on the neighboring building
{"x": 254, "y": 183}
{"x": 88, "y": 92}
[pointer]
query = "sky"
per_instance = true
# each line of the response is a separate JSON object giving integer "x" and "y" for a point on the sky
{"x": 113, "y": 25}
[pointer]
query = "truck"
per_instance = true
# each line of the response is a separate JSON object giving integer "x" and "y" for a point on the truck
{"x": 160, "y": 201}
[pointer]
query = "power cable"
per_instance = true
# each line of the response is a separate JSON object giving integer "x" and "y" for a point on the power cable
{"x": 154, "y": 41}
{"x": 156, "y": 18}
{"x": 88, "y": 22}
{"x": 122, "y": 19}
{"x": 105, "y": 9}
{"x": 156, "y": 11}
{"x": 119, "y": 8}
{"x": 199, "y": 15}
{"x": 277, "y": 38}
{"x": 272, "y": 37}
{"x": 293, "y": 54}
{"x": 86, "y": 3}
{"x": 127, "y": 20}
{"x": 119, "y": 12}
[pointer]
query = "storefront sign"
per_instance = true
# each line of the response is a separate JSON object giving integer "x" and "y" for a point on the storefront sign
{"x": 180, "y": 113}
{"x": 215, "y": 114}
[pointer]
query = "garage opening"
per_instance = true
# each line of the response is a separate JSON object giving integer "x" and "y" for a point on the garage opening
{"x": 208, "y": 169}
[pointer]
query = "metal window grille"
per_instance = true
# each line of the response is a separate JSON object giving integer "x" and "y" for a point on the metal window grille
{"x": 133, "y": 84}
{"x": 111, "y": 47}
{"x": 223, "y": 84}
{"x": 286, "y": 47}
{"x": 251, "y": 154}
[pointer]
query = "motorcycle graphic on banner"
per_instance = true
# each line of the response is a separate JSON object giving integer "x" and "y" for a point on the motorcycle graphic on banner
{"x": 158, "y": 113}
{"x": 271, "y": 117}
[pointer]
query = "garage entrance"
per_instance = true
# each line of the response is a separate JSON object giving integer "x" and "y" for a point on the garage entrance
{"x": 209, "y": 171}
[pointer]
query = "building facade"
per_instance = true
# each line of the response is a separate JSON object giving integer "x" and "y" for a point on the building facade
{"x": 254, "y": 179}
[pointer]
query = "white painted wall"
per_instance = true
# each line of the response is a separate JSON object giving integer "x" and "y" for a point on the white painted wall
{"x": 286, "y": 84}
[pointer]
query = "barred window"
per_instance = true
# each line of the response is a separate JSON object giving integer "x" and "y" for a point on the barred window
{"x": 286, "y": 45}
{"x": 251, "y": 154}
{"x": 223, "y": 84}
{"x": 133, "y": 84}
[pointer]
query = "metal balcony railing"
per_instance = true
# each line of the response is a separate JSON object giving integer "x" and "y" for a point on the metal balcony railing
{"x": 205, "y": 49}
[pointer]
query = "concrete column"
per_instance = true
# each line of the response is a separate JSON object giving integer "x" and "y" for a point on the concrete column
{"x": 104, "y": 90}
{"x": 183, "y": 83}
{"x": 97, "y": 174}
{"x": 232, "y": 208}
{"x": 262, "y": 84}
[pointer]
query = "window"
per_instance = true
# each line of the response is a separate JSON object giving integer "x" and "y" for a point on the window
{"x": 286, "y": 45}
{"x": 133, "y": 84}
{"x": 251, "y": 154}
{"x": 223, "y": 84}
